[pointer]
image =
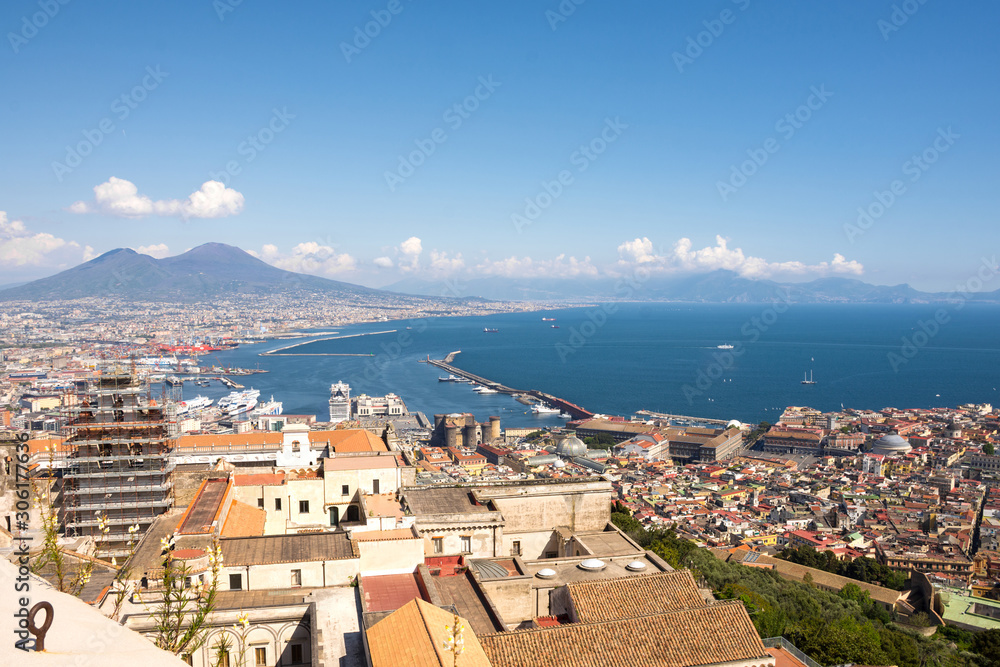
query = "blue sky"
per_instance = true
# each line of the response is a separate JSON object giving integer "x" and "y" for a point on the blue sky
{"x": 673, "y": 99}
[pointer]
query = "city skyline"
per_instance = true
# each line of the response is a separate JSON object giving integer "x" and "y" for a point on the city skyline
{"x": 554, "y": 140}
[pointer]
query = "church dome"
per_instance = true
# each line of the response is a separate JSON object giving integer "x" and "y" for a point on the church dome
{"x": 571, "y": 446}
{"x": 891, "y": 444}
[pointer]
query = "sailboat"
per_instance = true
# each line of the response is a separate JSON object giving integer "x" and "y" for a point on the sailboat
{"x": 810, "y": 380}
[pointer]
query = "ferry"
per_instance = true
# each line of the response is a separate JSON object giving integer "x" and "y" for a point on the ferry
{"x": 271, "y": 407}
{"x": 542, "y": 409}
{"x": 450, "y": 378}
{"x": 238, "y": 402}
{"x": 193, "y": 405}
{"x": 725, "y": 346}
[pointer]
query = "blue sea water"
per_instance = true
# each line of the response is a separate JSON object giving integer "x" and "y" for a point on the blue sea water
{"x": 664, "y": 357}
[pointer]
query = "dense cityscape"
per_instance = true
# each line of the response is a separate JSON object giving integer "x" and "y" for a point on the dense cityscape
{"x": 522, "y": 535}
{"x": 511, "y": 334}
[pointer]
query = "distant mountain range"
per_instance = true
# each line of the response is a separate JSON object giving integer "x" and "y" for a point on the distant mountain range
{"x": 210, "y": 270}
{"x": 217, "y": 270}
{"x": 719, "y": 286}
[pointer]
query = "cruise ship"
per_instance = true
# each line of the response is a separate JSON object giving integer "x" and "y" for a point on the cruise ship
{"x": 193, "y": 405}
{"x": 238, "y": 402}
{"x": 271, "y": 407}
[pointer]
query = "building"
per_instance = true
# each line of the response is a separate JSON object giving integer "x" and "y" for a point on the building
{"x": 340, "y": 402}
{"x": 792, "y": 440}
{"x": 118, "y": 471}
{"x": 704, "y": 445}
{"x": 365, "y": 406}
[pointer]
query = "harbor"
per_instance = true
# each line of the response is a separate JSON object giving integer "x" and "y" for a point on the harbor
{"x": 521, "y": 395}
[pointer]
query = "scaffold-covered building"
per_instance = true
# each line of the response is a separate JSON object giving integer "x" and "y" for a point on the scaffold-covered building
{"x": 118, "y": 468}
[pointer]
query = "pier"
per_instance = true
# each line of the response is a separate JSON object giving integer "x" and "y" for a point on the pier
{"x": 575, "y": 411}
{"x": 281, "y": 350}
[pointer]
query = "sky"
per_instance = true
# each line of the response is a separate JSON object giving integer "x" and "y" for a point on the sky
{"x": 388, "y": 140}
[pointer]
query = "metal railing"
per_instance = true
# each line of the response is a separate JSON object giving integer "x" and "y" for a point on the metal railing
{"x": 781, "y": 642}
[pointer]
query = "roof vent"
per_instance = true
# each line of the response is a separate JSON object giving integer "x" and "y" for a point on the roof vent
{"x": 547, "y": 573}
{"x": 593, "y": 564}
{"x": 636, "y": 566}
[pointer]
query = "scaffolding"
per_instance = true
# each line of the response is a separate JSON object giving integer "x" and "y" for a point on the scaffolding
{"x": 118, "y": 469}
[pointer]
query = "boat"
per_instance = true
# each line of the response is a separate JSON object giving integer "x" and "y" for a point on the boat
{"x": 271, "y": 407}
{"x": 810, "y": 380}
{"x": 542, "y": 409}
{"x": 484, "y": 390}
{"x": 450, "y": 378}
{"x": 202, "y": 383}
{"x": 555, "y": 326}
{"x": 548, "y": 319}
{"x": 488, "y": 330}
{"x": 725, "y": 346}
{"x": 238, "y": 402}
{"x": 193, "y": 405}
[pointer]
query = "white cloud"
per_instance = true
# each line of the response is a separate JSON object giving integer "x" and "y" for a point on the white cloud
{"x": 440, "y": 262}
{"x": 121, "y": 198}
{"x": 309, "y": 257}
{"x": 409, "y": 251}
{"x": 526, "y": 267}
{"x": 158, "y": 250}
{"x": 383, "y": 262}
{"x": 21, "y": 247}
{"x": 683, "y": 258}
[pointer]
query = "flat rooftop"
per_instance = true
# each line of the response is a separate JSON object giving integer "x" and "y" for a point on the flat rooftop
{"x": 608, "y": 543}
{"x": 568, "y": 570}
{"x": 443, "y": 501}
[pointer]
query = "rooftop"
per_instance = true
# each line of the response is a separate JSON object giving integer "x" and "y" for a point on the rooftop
{"x": 293, "y": 548}
{"x": 712, "y": 634}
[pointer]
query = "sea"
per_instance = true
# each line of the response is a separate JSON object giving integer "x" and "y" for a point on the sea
{"x": 617, "y": 359}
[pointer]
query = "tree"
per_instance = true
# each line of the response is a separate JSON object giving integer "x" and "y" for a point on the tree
{"x": 181, "y": 617}
{"x": 988, "y": 449}
{"x": 987, "y": 644}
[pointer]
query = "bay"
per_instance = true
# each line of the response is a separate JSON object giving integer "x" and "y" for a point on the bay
{"x": 619, "y": 358}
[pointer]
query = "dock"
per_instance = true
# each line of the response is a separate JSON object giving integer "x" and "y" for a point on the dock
{"x": 575, "y": 411}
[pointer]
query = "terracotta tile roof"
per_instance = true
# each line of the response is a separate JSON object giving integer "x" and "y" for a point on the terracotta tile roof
{"x": 414, "y": 635}
{"x": 244, "y": 520}
{"x": 716, "y": 633}
{"x": 628, "y": 597}
{"x": 260, "y": 479}
{"x": 350, "y": 440}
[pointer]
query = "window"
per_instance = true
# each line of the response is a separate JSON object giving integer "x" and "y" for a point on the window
{"x": 277, "y": 503}
{"x": 467, "y": 544}
{"x": 296, "y": 577}
{"x": 296, "y": 650}
{"x": 236, "y": 582}
{"x": 516, "y": 547}
{"x": 438, "y": 543}
{"x": 303, "y": 507}
{"x": 260, "y": 503}
{"x": 374, "y": 486}
{"x": 344, "y": 490}
{"x": 260, "y": 655}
